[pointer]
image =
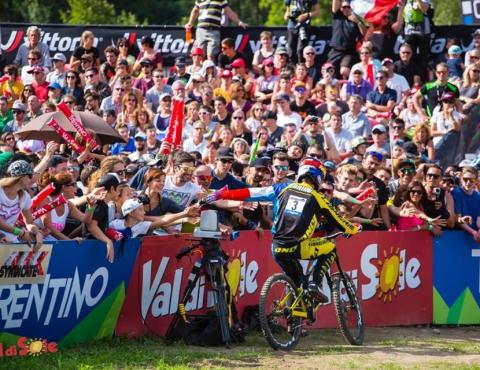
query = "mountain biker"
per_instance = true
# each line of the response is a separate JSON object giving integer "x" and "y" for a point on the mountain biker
{"x": 298, "y": 207}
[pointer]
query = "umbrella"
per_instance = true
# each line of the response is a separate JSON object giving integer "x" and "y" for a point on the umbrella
{"x": 37, "y": 128}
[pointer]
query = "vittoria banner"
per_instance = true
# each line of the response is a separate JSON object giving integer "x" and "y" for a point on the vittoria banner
{"x": 170, "y": 40}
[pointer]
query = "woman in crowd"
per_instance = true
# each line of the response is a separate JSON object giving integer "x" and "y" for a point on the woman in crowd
{"x": 7, "y": 142}
{"x": 239, "y": 146}
{"x": 148, "y": 52}
{"x": 56, "y": 219}
{"x": 424, "y": 141}
{"x": 73, "y": 86}
{"x": 86, "y": 47}
{"x": 469, "y": 91}
{"x": 194, "y": 87}
{"x": 262, "y": 136}
{"x": 266, "y": 82}
{"x": 445, "y": 118}
{"x": 13, "y": 87}
{"x": 409, "y": 115}
{"x": 129, "y": 106}
{"x": 197, "y": 61}
{"x": 211, "y": 153}
{"x": 142, "y": 118}
{"x": 237, "y": 125}
{"x": 27, "y": 91}
{"x": 155, "y": 204}
{"x": 301, "y": 75}
{"x": 110, "y": 164}
{"x": 238, "y": 99}
{"x": 191, "y": 116}
{"x": 255, "y": 120}
{"x": 209, "y": 72}
{"x": 15, "y": 200}
{"x": 225, "y": 136}
{"x": 265, "y": 52}
{"x": 124, "y": 51}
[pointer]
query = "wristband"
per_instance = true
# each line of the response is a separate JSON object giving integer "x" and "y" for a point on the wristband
{"x": 91, "y": 209}
{"x": 368, "y": 221}
{"x": 16, "y": 231}
{"x": 354, "y": 201}
{"x": 430, "y": 227}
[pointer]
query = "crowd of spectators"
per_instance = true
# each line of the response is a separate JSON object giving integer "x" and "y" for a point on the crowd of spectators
{"x": 389, "y": 134}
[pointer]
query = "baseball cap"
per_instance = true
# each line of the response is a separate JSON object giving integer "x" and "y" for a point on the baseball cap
{"x": 387, "y": 61}
{"x": 122, "y": 62}
{"x": 327, "y": 65}
{"x": 129, "y": 206}
{"x": 269, "y": 115}
{"x": 281, "y": 50}
{"x": 379, "y": 127}
{"x": 60, "y": 56}
{"x": 411, "y": 149}
{"x": 54, "y": 85}
{"x": 225, "y": 153}
{"x": 300, "y": 144}
{"x": 259, "y": 163}
{"x": 267, "y": 62}
{"x": 454, "y": 49}
{"x": 476, "y": 32}
{"x": 359, "y": 140}
{"x": 36, "y": 69}
{"x": 18, "y": 105}
{"x": 282, "y": 97}
{"x": 180, "y": 62}
{"x": 227, "y": 73}
{"x": 299, "y": 86}
{"x": 238, "y": 63}
{"x": 164, "y": 95}
{"x": 146, "y": 62}
{"x": 197, "y": 51}
{"x": 20, "y": 168}
{"x": 108, "y": 181}
{"x": 140, "y": 136}
{"x": 330, "y": 165}
{"x": 447, "y": 96}
{"x": 406, "y": 162}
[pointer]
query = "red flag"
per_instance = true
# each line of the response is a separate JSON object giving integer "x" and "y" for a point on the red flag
{"x": 372, "y": 10}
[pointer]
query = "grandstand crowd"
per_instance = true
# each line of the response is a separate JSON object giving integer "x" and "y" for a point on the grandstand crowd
{"x": 391, "y": 132}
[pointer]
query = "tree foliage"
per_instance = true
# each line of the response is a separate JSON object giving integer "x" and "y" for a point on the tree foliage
{"x": 447, "y": 12}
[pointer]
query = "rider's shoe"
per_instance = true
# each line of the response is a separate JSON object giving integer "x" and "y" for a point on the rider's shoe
{"x": 316, "y": 293}
{"x": 311, "y": 317}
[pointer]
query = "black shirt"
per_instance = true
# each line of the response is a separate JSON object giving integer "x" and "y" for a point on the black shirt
{"x": 344, "y": 33}
{"x": 406, "y": 70}
{"x": 101, "y": 216}
{"x": 275, "y": 137}
{"x": 165, "y": 206}
{"x": 307, "y": 109}
{"x": 225, "y": 121}
{"x": 224, "y": 61}
{"x": 430, "y": 209}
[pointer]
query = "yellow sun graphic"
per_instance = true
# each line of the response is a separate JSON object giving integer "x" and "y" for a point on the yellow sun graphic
{"x": 36, "y": 347}
{"x": 388, "y": 275}
{"x": 234, "y": 273}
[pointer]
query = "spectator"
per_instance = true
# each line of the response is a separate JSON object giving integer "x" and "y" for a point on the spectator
{"x": 309, "y": 61}
{"x": 239, "y": 99}
{"x": 123, "y": 48}
{"x": 130, "y": 104}
{"x": 380, "y": 144}
{"x": 284, "y": 112}
{"x": 411, "y": 197}
{"x": 409, "y": 115}
{"x": 128, "y": 145}
{"x": 332, "y": 100}
{"x": 152, "y": 143}
{"x": 280, "y": 168}
{"x": 155, "y": 203}
{"x": 424, "y": 141}
{"x": 346, "y": 30}
{"x": 382, "y": 99}
{"x": 469, "y": 91}
{"x": 406, "y": 67}
{"x": 467, "y": 202}
{"x": 238, "y": 128}
{"x": 73, "y": 87}
{"x": 357, "y": 86}
{"x": 13, "y": 87}
{"x": 301, "y": 104}
{"x": 179, "y": 187}
{"x": 395, "y": 81}
{"x": 355, "y": 121}
{"x": 239, "y": 69}
{"x": 209, "y": 17}
{"x": 225, "y": 89}
{"x": 6, "y": 114}
{"x": 85, "y": 50}
{"x": 19, "y": 117}
{"x": 369, "y": 66}
{"x": 33, "y": 61}
{"x": 58, "y": 74}
{"x": 274, "y": 132}
{"x": 197, "y": 61}
{"x": 180, "y": 72}
{"x": 148, "y": 51}
{"x": 92, "y": 105}
{"x": 197, "y": 142}
{"x": 114, "y": 101}
{"x": 152, "y": 96}
{"x": 33, "y": 43}
{"x": 473, "y": 56}
{"x": 107, "y": 69}
{"x": 54, "y": 95}
{"x": 228, "y": 54}
{"x": 221, "y": 172}
{"x": 405, "y": 173}
{"x": 265, "y": 52}
{"x": 40, "y": 85}
{"x": 15, "y": 200}
{"x": 359, "y": 147}
{"x": 455, "y": 62}
{"x": 341, "y": 136}
{"x": 221, "y": 114}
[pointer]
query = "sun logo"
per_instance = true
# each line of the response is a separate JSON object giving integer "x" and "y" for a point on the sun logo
{"x": 388, "y": 275}
{"x": 234, "y": 274}
{"x": 36, "y": 347}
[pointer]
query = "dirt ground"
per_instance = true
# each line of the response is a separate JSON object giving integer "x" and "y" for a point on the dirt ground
{"x": 384, "y": 348}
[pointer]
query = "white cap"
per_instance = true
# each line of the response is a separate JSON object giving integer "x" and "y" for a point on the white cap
{"x": 130, "y": 205}
{"x": 60, "y": 56}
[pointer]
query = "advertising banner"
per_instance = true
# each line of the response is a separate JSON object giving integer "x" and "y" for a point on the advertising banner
{"x": 456, "y": 279}
{"x": 170, "y": 40}
{"x": 393, "y": 275}
{"x": 20, "y": 264}
{"x": 158, "y": 280}
{"x": 79, "y": 299}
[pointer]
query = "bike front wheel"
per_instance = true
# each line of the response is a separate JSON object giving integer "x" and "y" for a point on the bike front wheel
{"x": 347, "y": 308}
{"x": 281, "y": 329}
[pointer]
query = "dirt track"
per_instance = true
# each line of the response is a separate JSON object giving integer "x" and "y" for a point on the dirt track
{"x": 390, "y": 348}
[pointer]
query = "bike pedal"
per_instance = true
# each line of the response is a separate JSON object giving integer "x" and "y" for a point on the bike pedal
{"x": 304, "y": 333}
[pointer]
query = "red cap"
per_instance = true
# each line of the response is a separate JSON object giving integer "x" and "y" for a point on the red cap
{"x": 227, "y": 73}
{"x": 238, "y": 63}
{"x": 197, "y": 51}
{"x": 267, "y": 62}
{"x": 36, "y": 69}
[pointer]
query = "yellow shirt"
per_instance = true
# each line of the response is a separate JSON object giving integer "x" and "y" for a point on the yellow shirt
{"x": 13, "y": 93}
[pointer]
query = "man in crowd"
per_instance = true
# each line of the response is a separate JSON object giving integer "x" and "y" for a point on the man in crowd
{"x": 33, "y": 42}
{"x": 58, "y": 74}
{"x": 355, "y": 121}
{"x": 284, "y": 112}
{"x": 93, "y": 83}
{"x": 221, "y": 173}
{"x": 152, "y": 96}
{"x": 269, "y": 121}
{"x": 395, "y": 81}
{"x": 382, "y": 99}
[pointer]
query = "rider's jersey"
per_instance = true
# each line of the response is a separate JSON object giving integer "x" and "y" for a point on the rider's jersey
{"x": 297, "y": 210}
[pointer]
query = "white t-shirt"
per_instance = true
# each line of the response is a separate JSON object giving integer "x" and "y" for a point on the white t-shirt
{"x": 141, "y": 228}
{"x": 10, "y": 210}
{"x": 189, "y": 146}
{"x": 182, "y": 195}
{"x": 341, "y": 140}
{"x": 293, "y": 117}
{"x": 399, "y": 84}
{"x": 443, "y": 125}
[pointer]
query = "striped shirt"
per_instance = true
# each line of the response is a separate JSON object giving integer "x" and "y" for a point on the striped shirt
{"x": 210, "y": 12}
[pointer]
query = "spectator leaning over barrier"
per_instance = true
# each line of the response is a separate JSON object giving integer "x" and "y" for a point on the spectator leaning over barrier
{"x": 437, "y": 202}
{"x": 467, "y": 203}
{"x": 221, "y": 172}
{"x": 104, "y": 212}
{"x": 15, "y": 200}
{"x": 209, "y": 15}
{"x": 33, "y": 42}
{"x": 405, "y": 173}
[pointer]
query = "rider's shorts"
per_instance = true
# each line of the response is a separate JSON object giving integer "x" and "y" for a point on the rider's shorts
{"x": 308, "y": 249}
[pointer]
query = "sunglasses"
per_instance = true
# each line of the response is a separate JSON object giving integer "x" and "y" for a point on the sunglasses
{"x": 187, "y": 169}
{"x": 410, "y": 171}
{"x": 70, "y": 77}
{"x": 226, "y": 160}
{"x": 365, "y": 53}
{"x": 134, "y": 100}
{"x": 474, "y": 57}
{"x": 238, "y": 117}
{"x": 10, "y": 138}
{"x": 316, "y": 156}
{"x": 157, "y": 76}
{"x": 377, "y": 132}
{"x": 469, "y": 179}
{"x": 346, "y": 7}
{"x": 309, "y": 53}
{"x": 325, "y": 191}
{"x": 203, "y": 177}
{"x": 119, "y": 89}
{"x": 18, "y": 112}
{"x": 379, "y": 77}
{"x": 475, "y": 71}
{"x": 281, "y": 167}
{"x": 433, "y": 175}
{"x": 413, "y": 191}
{"x": 442, "y": 72}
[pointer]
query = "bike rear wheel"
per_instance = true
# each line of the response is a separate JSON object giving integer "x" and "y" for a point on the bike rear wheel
{"x": 280, "y": 328}
{"x": 347, "y": 308}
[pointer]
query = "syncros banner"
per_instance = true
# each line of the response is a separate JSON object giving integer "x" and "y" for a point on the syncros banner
{"x": 171, "y": 40}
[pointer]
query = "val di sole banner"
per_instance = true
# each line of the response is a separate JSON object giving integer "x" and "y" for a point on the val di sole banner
{"x": 392, "y": 272}
{"x": 79, "y": 299}
{"x": 170, "y": 40}
{"x": 456, "y": 292}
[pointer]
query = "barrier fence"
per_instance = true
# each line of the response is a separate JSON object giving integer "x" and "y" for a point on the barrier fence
{"x": 170, "y": 40}
{"x": 402, "y": 278}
